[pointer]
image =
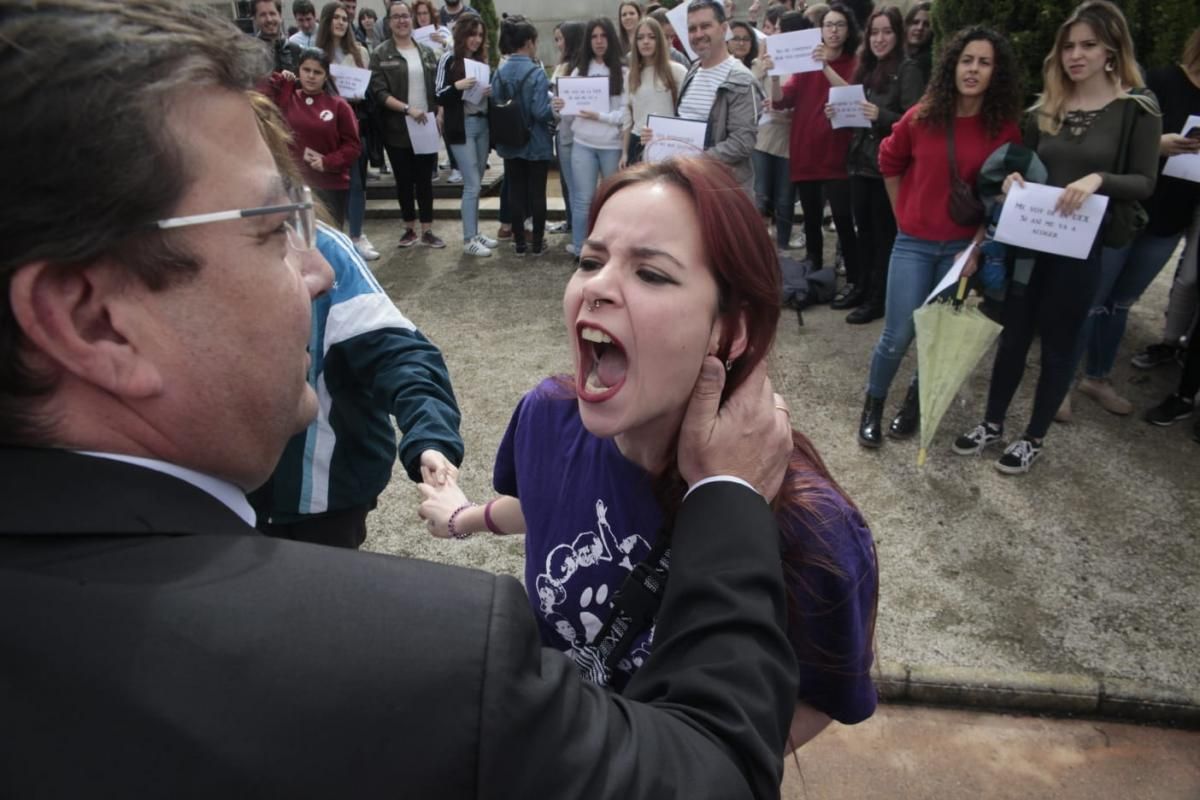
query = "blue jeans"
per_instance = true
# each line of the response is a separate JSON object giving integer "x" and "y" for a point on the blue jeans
{"x": 588, "y": 165}
{"x": 471, "y": 157}
{"x": 774, "y": 194}
{"x": 356, "y": 203}
{"x": 1125, "y": 273}
{"x": 915, "y": 268}
{"x": 564, "y": 173}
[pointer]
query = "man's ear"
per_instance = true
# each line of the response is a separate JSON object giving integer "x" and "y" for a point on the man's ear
{"x": 83, "y": 319}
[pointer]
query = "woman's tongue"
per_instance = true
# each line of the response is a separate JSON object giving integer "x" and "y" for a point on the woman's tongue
{"x": 608, "y": 369}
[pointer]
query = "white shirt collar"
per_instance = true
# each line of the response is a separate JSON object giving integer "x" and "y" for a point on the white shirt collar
{"x": 224, "y": 491}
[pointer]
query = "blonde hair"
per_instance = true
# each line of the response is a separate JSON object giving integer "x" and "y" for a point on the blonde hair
{"x": 1110, "y": 28}
{"x": 661, "y": 61}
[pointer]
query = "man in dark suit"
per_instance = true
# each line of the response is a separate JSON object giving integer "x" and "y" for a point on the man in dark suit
{"x": 153, "y": 328}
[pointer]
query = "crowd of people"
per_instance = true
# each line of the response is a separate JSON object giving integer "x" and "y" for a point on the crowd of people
{"x": 194, "y": 355}
{"x": 775, "y": 134}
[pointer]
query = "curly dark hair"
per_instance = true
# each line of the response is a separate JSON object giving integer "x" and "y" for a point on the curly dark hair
{"x": 1001, "y": 99}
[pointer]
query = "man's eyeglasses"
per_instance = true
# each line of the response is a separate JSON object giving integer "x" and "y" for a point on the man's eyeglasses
{"x": 301, "y": 224}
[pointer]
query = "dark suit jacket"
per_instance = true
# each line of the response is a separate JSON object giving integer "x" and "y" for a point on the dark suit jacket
{"x": 151, "y": 644}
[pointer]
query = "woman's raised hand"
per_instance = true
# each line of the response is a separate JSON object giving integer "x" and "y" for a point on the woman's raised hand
{"x": 1173, "y": 144}
{"x": 828, "y": 111}
{"x": 819, "y": 53}
{"x": 870, "y": 110}
{"x": 465, "y": 83}
{"x": 557, "y": 103}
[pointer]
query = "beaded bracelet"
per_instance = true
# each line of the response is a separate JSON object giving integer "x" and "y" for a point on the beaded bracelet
{"x": 487, "y": 517}
{"x": 455, "y": 532}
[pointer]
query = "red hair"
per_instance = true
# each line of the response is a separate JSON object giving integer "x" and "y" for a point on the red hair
{"x": 745, "y": 264}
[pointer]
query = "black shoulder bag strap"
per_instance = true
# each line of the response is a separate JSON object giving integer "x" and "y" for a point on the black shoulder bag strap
{"x": 635, "y": 606}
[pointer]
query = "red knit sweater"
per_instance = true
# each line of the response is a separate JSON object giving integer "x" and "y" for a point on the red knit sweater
{"x": 816, "y": 151}
{"x": 327, "y": 125}
{"x": 917, "y": 152}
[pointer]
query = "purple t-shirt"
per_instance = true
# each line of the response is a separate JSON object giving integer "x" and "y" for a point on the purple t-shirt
{"x": 590, "y": 516}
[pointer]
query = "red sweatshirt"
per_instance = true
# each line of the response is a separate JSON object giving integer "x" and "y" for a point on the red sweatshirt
{"x": 917, "y": 151}
{"x": 816, "y": 151}
{"x": 326, "y": 124}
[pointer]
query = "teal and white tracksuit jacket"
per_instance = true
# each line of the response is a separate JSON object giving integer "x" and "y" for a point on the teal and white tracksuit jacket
{"x": 369, "y": 364}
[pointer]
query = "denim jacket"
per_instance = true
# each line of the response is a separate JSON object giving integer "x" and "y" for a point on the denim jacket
{"x": 535, "y": 106}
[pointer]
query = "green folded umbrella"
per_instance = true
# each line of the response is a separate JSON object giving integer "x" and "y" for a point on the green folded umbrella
{"x": 951, "y": 339}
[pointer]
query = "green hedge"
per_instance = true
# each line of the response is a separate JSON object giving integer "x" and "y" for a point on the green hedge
{"x": 1159, "y": 27}
{"x": 491, "y": 21}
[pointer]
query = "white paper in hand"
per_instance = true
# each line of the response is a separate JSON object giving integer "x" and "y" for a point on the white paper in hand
{"x": 482, "y": 74}
{"x": 1186, "y": 166}
{"x": 847, "y": 107}
{"x": 792, "y": 52}
{"x": 424, "y": 136}
{"x": 1028, "y": 220}
{"x": 351, "y": 81}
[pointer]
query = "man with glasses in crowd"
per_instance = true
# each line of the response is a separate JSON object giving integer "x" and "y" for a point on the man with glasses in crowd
{"x": 154, "y": 319}
{"x": 719, "y": 90}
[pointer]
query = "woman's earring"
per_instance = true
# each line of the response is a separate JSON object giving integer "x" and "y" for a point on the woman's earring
{"x": 1108, "y": 67}
{"x": 728, "y": 364}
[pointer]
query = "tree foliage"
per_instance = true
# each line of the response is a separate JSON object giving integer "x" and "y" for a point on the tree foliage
{"x": 1159, "y": 27}
{"x": 491, "y": 21}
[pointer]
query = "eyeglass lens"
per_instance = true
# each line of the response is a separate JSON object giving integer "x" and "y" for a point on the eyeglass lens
{"x": 302, "y": 227}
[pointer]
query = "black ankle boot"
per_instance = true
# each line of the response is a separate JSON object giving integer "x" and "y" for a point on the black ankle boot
{"x": 870, "y": 428}
{"x": 864, "y": 314}
{"x": 850, "y": 297}
{"x": 908, "y": 418}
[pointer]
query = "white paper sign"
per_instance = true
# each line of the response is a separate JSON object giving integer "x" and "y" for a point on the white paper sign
{"x": 847, "y": 107}
{"x": 792, "y": 52}
{"x": 425, "y": 36}
{"x": 677, "y": 16}
{"x": 1028, "y": 220}
{"x": 482, "y": 74}
{"x": 672, "y": 136}
{"x": 583, "y": 94}
{"x": 953, "y": 275}
{"x": 1186, "y": 166}
{"x": 424, "y": 137}
{"x": 351, "y": 81}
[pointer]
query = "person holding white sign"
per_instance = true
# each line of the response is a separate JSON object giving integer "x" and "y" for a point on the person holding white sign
{"x": 466, "y": 121}
{"x": 1126, "y": 272}
{"x": 425, "y": 15}
{"x": 886, "y": 79}
{"x": 325, "y": 140}
{"x": 974, "y": 94}
{"x": 772, "y": 177}
{"x": 596, "y": 149}
{"x": 335, "y": 37}
{"x": 817, "y": 156}
{"x": 720, "y": 91}
{"x": 1093, "y": 136}
{"x": 402, "y": 83}
{"x": 653, "y": 86}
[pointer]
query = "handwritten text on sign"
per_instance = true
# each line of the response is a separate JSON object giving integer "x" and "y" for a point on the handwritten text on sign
{"x": 583, "y": 94}
{"x": 792, "y": 52}
{"x": 351, "y": 81}
{"x": 847, "y": 102}
{"x": 1028, "y": 220}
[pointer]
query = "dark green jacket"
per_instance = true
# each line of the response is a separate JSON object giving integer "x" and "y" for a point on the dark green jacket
{"x": 389, "y": 78}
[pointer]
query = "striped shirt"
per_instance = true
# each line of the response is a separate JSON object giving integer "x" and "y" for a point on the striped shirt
{"x": 697, "y": 101}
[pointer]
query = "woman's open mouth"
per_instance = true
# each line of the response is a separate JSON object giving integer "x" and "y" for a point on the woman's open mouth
{"x": 602, "y": 364}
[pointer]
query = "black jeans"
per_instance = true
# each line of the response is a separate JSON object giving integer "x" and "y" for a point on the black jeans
{"x": 1053, "y": 306}
{"x": 414, "y": 175}
{"x": 527, "y": 185}
{"x": 813, "y": 195}
{"x": 876, "y": 235}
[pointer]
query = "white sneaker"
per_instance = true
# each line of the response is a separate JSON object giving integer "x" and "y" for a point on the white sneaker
{"x": 529, "y": 224}
{"x": 487, "y": 241}
{"x": 556, "y": 227}
{"x": 455, "y": 177}
{"x": 476, "y": 248}
{"x": 365, "y": 249}
{"x": 570, "y": 248}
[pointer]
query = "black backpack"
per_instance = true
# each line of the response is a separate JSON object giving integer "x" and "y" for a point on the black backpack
{"x": 506, "y": 121}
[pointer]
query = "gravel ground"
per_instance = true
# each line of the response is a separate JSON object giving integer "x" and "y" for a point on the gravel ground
{"x": 1089, "y": 565}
